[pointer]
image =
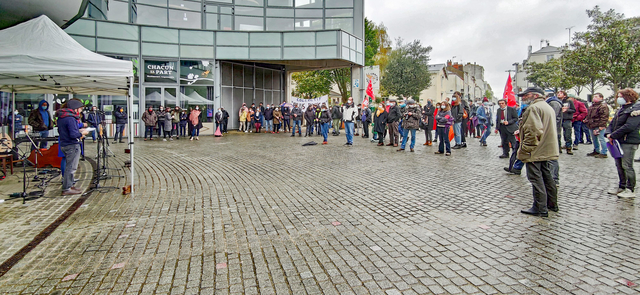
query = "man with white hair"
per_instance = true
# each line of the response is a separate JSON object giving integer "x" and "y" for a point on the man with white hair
{"x": 539, "y": 146}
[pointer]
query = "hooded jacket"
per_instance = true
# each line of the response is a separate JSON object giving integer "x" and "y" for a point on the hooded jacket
{"x": 121, "y": 117}
{"x": 336, "y": 112}
{"x": 68, "y": 130}
{"x": 625, "y": 124}
{"x": 394, "y": 114}
{"x": 40, "y": 119}
{"x": 556, "y": 105}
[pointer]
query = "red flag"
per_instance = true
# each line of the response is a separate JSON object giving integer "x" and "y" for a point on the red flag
{"x": 508, "y": 93}
{"x": 370, "y": 89}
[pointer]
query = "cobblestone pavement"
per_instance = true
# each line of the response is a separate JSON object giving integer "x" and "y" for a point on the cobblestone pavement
{"x": 260, "y": 214}
{"x": 20, "y": 223}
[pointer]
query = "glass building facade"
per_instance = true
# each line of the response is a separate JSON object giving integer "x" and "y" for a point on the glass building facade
{"x": 220, "y": 53}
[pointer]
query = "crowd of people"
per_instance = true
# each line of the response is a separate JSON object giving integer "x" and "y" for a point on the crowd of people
{"x": 167, "y": 122}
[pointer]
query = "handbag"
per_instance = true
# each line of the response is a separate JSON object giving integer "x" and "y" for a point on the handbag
{"x": 615, "y": 149}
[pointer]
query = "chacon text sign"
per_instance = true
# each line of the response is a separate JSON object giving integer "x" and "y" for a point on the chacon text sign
{"x": 160, "y": 71}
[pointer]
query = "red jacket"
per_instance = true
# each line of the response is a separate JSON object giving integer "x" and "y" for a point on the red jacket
{"x": 581, "y": 111}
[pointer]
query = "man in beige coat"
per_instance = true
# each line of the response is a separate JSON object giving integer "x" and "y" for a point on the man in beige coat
{"x": 538, "y": 146}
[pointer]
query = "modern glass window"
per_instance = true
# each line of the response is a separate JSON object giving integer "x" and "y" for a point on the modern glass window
{"x": 232, "y": 38}
{"x": 339, "y": 13}
{"x": 300, "y": 39}
{"x": 281, "y": 12}
{"x": 247, "y": 23}
{"x": 153, "y": 2}
{"x": 251, "y": 2}
{"x": 196, "y": 72}
{"x": 196, "y": 37}
{"x": 308, "y": 24}
{"x": 338, "y": 3}
{"x": 161, "y": 35}
{"x": 250, "y": 11}
{"x": 118, "y": 31}
{"x": 118, "y": 11}
{"x": 280, "y": 24}
{"x": 226, "y": 22}
{"x": 309, "y": 13}
{"x": 184, "y": 19}
{"x": 181, "y": 4}
{"x": 265, "y": 39}
{"x": 212, "y": 21}
{"x": 288, "y": 3}
{"x": 327, "y": 38}
{"x": 310, "y": 3}
{"x": 148, "y": 15}
{"x": 346, "y": 24}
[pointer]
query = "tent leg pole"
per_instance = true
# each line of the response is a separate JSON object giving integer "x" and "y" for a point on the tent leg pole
{"x": 131, "y": 132}
{"x": 13, "y": 117}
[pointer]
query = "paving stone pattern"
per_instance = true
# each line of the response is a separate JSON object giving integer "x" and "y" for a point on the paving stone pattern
{"x": 20, "y": 223}
{"x": 260, "y": 214}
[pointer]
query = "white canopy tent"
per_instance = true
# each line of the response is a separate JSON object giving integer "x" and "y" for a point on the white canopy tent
{"x": 39, "y": 57}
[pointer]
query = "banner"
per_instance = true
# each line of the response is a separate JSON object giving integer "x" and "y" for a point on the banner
{"x": 372, "y": 74}
{"x": 304, "y": 103}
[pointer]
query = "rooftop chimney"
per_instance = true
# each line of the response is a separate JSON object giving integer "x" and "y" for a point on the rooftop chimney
{"x": 530, "y": 49}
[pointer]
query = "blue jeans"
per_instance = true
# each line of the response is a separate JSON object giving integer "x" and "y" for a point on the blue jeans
{"x": 268, "y": 125}
{"x": 297, "y": 123}
{"x": 486, "y": 134}
{"x": 348, "y": 127}
{"x": 599, "y": 142}
{"x": 43, "y": 134}
{"x": 577, "y": 131}
{"x": 405, "y": 134}
{"x": 457, "y": 130}
{"x": 148, "y": 130}
{"x": 195, "y": 132}
{"x": 442, "y": 133}
{"x": 119, "y": 131}
{"x": 586, "y": 133}
{"x": 325, "y": 130}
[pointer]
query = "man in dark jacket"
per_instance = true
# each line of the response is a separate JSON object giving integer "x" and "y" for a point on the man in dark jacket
{"x": 457, "y": 111}
{"x": 568, "y": 109}
{"x": 597, "y": 120}
{"x": 40, "y": 121}
{"x": 365, "y": 118}
{"x": 121, "y": 122}
{"x": 286, "y": 116}
{"x": 336, "y": 115}
{"x": 70, "y": 137}
{"x": 95, "y": 119}
{"x": 410, "y": 123}
{"x": 268, "y": 119}
{"x": 296, "y": 116}
{"x": 393, "y": 119}
{"x": 310, "y": 118}
{"x": 506, "y": 124}
{"x": 225, "y": 120}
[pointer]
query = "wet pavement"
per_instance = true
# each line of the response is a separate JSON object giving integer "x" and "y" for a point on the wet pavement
{"x": 261, "y": 214}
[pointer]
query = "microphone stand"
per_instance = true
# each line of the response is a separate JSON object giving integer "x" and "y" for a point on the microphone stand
{"x": 24, "y": 171}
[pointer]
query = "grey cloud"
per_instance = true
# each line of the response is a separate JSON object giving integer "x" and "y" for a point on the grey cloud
{"x": 492, "y": 33}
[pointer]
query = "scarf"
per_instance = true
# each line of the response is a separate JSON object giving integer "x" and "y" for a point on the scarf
{"x": 380, "y": 110}
{"x": 193, "y": 117}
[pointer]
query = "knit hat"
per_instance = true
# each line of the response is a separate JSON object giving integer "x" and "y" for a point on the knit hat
{"x": 485, "y": 100}
{"x": 74, "y": 104}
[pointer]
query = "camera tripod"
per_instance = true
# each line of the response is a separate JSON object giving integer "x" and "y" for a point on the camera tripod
{"x": 102, "y": 160}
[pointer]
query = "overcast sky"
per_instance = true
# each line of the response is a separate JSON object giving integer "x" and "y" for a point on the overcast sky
{"x": 492, "y": 33}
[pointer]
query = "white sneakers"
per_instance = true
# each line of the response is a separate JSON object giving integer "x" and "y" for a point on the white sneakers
{"x": 627, "y": 194}
{"x": 615, "y": 191}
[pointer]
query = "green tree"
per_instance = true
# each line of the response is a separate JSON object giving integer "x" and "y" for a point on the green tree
{"x": 407, "y": 73}
{"x": 371, "y": 42}
{"x": 311, "y": 84}
{"x": 612, "y": 44}
{"x": 342, "y": 79}
{"x": 549, "y": 75}
{"x": 488, "y": 94}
